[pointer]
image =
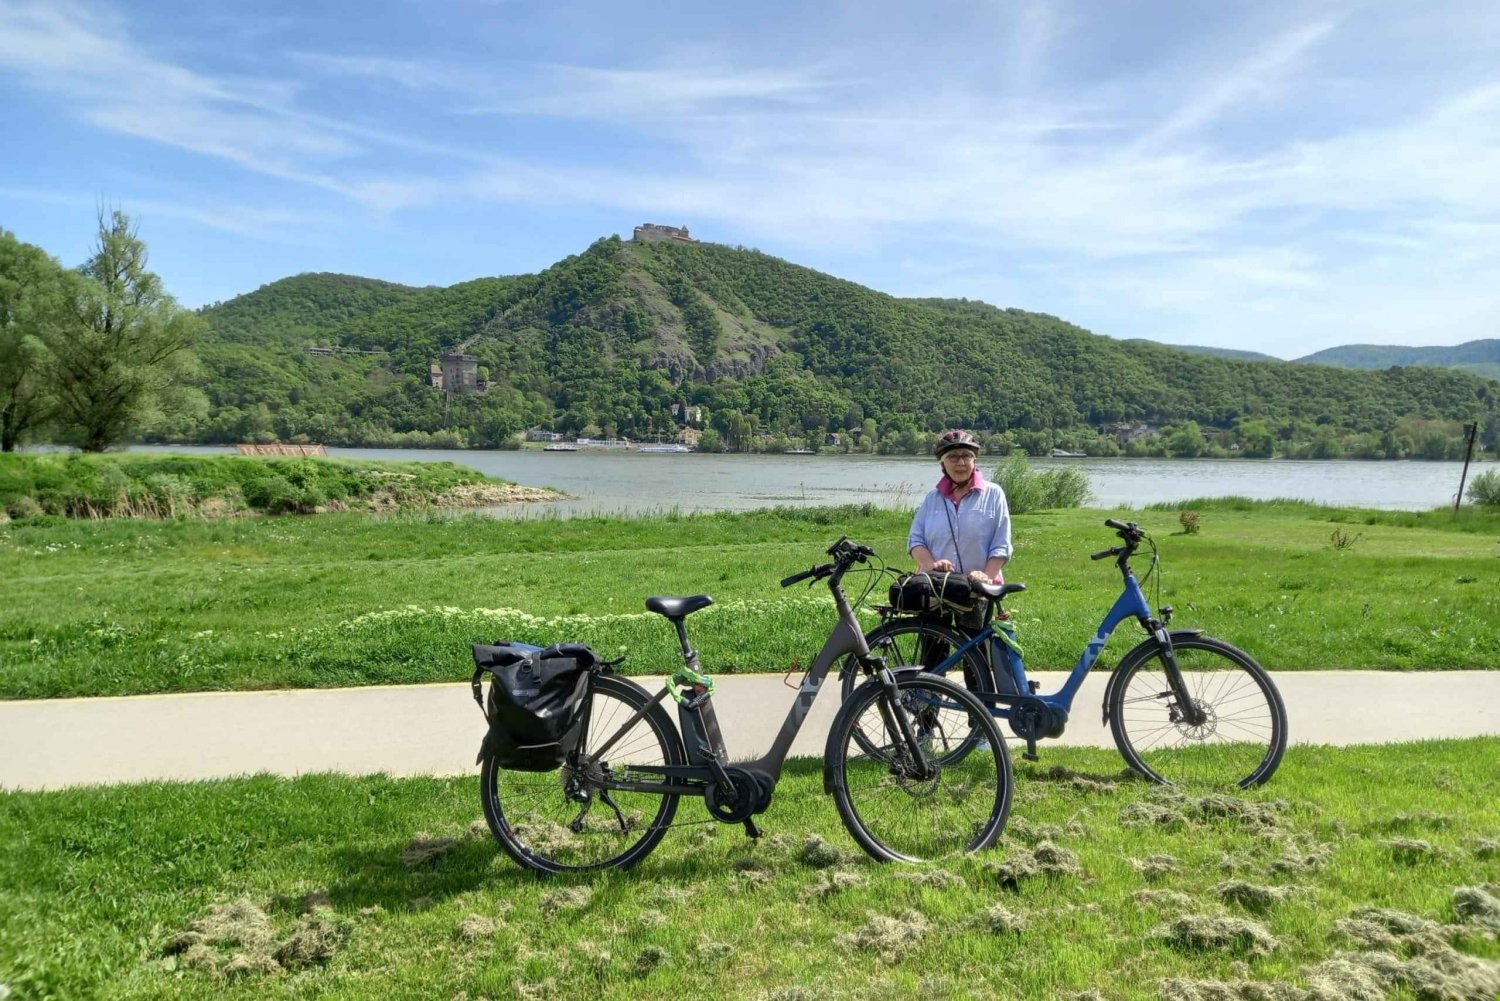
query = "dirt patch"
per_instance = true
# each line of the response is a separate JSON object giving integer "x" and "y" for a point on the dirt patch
{"x": 1486, "y": 848}
{"x": 1219, "y": 933}
{"x": 891, "y": 937}
{"x": 475, "y": 927}
{"x": 1144, "y": 813}
{"x": 1252, "y": 896}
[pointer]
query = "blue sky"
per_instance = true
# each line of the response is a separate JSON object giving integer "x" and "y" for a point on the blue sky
{"x": 1274, "y": 176}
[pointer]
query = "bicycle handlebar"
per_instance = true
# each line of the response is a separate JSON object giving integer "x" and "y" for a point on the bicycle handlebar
{"x": 1105, "y": 554}
{"x": 822, "y": 570}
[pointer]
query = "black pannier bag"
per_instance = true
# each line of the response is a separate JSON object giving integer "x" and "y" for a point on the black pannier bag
{"x": 932, "y": 594}
{"x": 535, "y": 704}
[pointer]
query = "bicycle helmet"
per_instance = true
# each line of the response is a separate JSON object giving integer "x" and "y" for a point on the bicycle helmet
{"x": 949, "y": 440}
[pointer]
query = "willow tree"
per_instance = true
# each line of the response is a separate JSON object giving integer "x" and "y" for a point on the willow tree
{"x": 115, "y": 365}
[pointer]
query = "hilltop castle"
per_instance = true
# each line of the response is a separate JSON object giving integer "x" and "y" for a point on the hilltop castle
{"x": 649, "y": 232}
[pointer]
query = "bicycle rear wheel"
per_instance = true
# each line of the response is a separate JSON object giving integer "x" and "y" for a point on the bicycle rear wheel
{"x": 916, "y": 642}
{"x": 567, "y": 820}
{"x": 1239, "y": 743}
{"x": 895, "y": 808}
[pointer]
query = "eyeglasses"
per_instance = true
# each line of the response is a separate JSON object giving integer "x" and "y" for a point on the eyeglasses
{"x": 959, "y": 454}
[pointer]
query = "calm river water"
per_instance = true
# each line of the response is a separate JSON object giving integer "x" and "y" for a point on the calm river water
{"x": 619, "y": 482}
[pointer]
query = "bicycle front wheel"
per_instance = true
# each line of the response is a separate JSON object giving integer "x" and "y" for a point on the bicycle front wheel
{"x": 905, "y": 806}
{"x": 570, "y": 819}
{"x": 1242, "y": 735}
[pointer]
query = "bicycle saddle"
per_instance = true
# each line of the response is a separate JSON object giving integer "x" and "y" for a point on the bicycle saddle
{"x": 996, "y": 591}
{"x": 676, "y": 608}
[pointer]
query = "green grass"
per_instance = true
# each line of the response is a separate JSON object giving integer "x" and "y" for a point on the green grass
{"x": 95, "y": 883}
{"x": 124, "y": 607}
{"x": 137, "y": 485}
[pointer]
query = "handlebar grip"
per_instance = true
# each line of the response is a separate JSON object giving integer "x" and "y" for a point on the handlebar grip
{"x": 794, "y": 578}
{"x": 1104, "y": 554}
{"x": 1112, "y": 523}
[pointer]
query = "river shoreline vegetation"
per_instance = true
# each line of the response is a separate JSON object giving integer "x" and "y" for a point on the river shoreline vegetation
{"x": 124, "y": 485}
{"x": 121, "y": 607}
{"x": 1358, "y": 874}
{"x": 650, "y": 341}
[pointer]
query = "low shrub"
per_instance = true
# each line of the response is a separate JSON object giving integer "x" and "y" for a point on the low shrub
{"x": 1028, "y": 489}
{"x": 1484, "y": 489}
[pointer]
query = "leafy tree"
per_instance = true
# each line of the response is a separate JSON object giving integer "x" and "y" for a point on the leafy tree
{"x": 114, "y": 365}
{"x": 33, "y": 299}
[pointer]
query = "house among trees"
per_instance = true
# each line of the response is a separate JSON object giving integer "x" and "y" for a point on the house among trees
{"x": 650, "y": 232}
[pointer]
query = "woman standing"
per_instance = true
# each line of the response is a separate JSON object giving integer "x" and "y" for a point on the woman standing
{"x": 963, "y": 524}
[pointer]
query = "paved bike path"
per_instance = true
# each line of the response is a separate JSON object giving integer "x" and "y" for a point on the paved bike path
{"x": 436, "y": 729}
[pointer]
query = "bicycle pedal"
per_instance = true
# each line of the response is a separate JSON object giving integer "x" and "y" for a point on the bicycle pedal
{"x": 1030, "y": 756}
{"x": 751, "y": 830}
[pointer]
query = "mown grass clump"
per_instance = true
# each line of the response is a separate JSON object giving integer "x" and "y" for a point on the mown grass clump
{"x": 264, "y": 888}
{"x": 137, "y": 485}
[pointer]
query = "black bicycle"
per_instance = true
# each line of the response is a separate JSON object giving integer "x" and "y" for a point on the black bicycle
{"x": 889, "y": 763}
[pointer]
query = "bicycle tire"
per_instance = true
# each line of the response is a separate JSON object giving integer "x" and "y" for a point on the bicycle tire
{"x": 1240, "y": 744}
{"x": 896, "y": 814}
{"x": 904, "y": 643}
{"x": 543, "y": 829}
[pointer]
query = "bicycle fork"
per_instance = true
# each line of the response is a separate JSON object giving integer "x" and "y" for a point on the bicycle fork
{"x": 898, "y": 723}
{"x": 1192, "y": 715}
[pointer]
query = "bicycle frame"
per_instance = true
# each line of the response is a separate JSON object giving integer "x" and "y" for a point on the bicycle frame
{"x": 1131, "y": 604}
{"x": 699, "y": 726}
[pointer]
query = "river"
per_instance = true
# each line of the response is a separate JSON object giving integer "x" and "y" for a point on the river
{"x": 631, "y": 482}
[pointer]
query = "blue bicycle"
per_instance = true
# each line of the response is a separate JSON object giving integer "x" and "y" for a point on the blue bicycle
{"x": 1184, "y": 708}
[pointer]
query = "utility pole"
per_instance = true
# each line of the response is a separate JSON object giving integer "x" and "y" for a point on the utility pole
{"x": 1472, "y": 430}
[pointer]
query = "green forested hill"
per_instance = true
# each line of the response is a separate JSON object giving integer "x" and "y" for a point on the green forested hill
{"x": 1480, "y": 357}
{"x": 609, "y": 340}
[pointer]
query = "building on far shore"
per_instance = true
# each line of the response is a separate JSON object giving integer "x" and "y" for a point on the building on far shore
{"x": 650, "y": 232}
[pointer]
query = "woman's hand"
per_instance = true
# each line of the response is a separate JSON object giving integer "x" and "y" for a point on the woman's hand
{"x": 942, "y": 566}
{"x": 981, "y": 577}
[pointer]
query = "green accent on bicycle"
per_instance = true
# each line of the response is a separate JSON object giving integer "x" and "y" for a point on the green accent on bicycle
{"x": 686, "y": 677}
{"x": 1005, "y": 632}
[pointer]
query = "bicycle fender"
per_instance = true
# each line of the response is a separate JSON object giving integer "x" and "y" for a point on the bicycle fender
{"x": 1143, "y": 649}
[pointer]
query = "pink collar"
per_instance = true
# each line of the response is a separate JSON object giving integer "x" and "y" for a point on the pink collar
{"x": 945, "y": 485}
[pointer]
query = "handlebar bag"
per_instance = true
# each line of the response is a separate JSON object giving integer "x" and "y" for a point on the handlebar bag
{"x": 535, "y": 704}
{"x": 932, "y": 594}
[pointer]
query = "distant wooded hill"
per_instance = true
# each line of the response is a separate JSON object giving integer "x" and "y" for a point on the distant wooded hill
{"x": 609, "y": 340}
{"x": 1480, "y": 357}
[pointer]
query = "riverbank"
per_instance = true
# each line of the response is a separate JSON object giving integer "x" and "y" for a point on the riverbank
{"x": 147, "y": 485}
{"x": 120, "y": 608}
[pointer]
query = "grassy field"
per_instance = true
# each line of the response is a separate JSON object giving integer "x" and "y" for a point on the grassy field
{"x": 1368, "y": 872}
{"x": 122, "y": 607}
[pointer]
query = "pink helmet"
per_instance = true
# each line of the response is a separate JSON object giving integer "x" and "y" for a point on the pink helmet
{"x": 949, "y": 440}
